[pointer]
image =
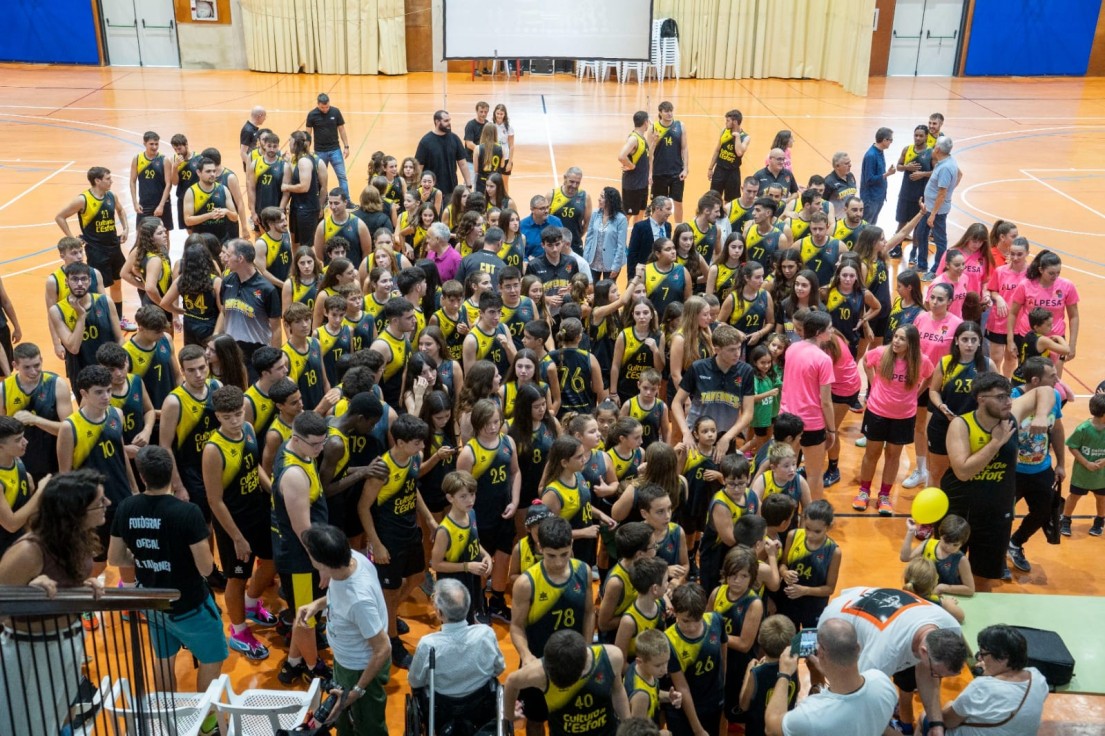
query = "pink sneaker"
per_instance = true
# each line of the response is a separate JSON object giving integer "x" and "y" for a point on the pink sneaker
{"x": 260, "y": 615}
{"x": 245, "y": 642}
{"x": 885, "y": 507}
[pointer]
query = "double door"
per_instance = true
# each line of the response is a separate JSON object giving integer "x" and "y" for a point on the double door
{"x": 140, "y": 33}
{"x": 926, "y": 38}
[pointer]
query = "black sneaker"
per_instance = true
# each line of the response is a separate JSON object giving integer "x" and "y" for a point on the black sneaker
{"x": 1006, "y": 574}
{"x": 856, "y": 406}
{"x": 1016, "y": 556}
{"x": 895, "y": 252}
{"x": 322, "y": 671}
{"x": 831, "y": 477}
{"x": 1064, "y": 526}
{"x": 400, "y": 657}
{"x": 402, "y": 627}
{"x": 483, "y": 617}
{"x": 216, "y": 580}
{"x": 1095, "y": 530}
{"x": 294, "y": 674}
{"x": 499, "y": 610}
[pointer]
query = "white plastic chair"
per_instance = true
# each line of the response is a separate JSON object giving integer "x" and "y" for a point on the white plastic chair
{"x": 264, "y": 712}
{"x": 598, "y": 69}
{"x": 640, "y": 68}
{"x": 171, "y": 714}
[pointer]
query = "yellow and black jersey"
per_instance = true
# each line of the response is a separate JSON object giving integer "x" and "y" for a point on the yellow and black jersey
{"x": 649, "y": 418}
{"x": 193, "y": 428}
{"x": 99, "y": 446}
{"x": 391, "y": 383}
{"x": 151, "y": 180}
{"x": 575, "y": 501}
{"x": 492, "y": 468}
{"x": 555, "y": 606}
{"x": 97, "y": 218}
{"x": 762, "y": 247}
{"x": 154, "y": 365}
{"x": 515, "y": 319}
{"x": 203, "y": 202}
{"x": 727, "y": 158}
{"x": 489, "y": 348}
{"x": 241, "y": 479}
{"x": 700, "y": 658}
{"x": 733, "y": 612}
{"x": 15, "y": 484}
{"x": 41, "y": 400}
{"x": 305, "y": 293}
{"x": 528, "y": 553}
{"x": 642, "y": 622}
{"x": 333, "y": 347}
{"x": 811, "y": 566}
{"x": 821, "y": 259}
{"x": 268, "y": 179}
{"x": 637, "y": 357}
{"x": 331, "y": 228}
{"x": 305, "y": 368}
{"x": 636, "y": 683}
{"x": 394, "y": 510}
{"x": 278, "y": 254}
{"x": 705, "y": 240}
{"x": 586, "y": 706}
{"x": 263, "y": 409}
{"x": 629, "y": 593}
{"x": 131, "y": 408}
{"x": 288, "y": 551}
{"x": 464, "y": 540}
{"x": 98, "y": 330}
{"x": 665, "y": 287}
{"x": 454, "y": 341}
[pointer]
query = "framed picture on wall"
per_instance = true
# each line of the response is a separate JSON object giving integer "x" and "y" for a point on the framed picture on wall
{"x": 205, "y": 10}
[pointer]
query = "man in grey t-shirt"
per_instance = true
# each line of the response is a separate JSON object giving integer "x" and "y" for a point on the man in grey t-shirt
{"x": 251, "y": 304}
{"x": 356, "y": 626}
{"x": 938, "y": 202}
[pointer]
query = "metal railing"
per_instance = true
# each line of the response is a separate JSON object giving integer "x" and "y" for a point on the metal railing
{"x": 79, "y": 664}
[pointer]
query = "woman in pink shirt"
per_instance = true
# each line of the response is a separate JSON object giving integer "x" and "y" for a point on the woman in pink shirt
{"x": 807, "y": 375}
{"x": 895, "y": 374}
{"x": 978, "y": 259}
{"x": 1044, "y": 287}
{"x": 845, "y": 393}
{"x": 955, "y": 277}
{"x": 936, "y": 329}
{"x": 1003, "y": 282}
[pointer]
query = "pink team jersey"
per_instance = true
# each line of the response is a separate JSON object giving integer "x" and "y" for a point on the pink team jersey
{"x": 893, "y": 399}
{"x": 808, "y": 368}
{"x": 960, "y": 293}
{"x": 845, "y": 372}
{"x": 976, "y": 271}
{"x": 1003, "y": 281}
{"x": 936, "y": 335}
{"x": 1055, "y": 299}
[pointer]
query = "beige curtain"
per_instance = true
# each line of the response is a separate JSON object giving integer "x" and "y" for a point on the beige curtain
{"x": 791, "y": 39}
{"x": 325, "y": 36}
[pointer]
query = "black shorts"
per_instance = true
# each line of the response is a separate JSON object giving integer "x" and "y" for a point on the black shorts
{"x": 846, "y": 400}
{"x": 879, "y": 326}
{"x": 906, "y": 680}
{"x": 107, "y": 259}
{"x": 533, "y": 704}
{"x": 634, "y": 200}
{"x": 299, "y": 588}
{"x": 761, "y": 431}
{"x": 407, "y": 560}
{"x": 668, "y": 186}
{"x": 883, "y": 429}
{"x": 937, "y": 433}
{"x": 259, "y": 537}
{"x": 342, "y": 510}
{"x": 694, "y": 510}
{"x": 727, "y": 182}
{"x": 813, "y": 437}
{"x": 1080, "y": 491}
{"x": 180, "y": 214}
{"x": 103, "y": 532}
{"x": 302, "y": 225}
{"x": 197, "y": 333}
{"x": 997, "y": 338}
{"x": 991, "y": 521}
{"x": 496, "y": 533}
{"x": 166, "y": 216}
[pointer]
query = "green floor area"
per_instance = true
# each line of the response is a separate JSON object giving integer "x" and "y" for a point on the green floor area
{"x": 1077, "y": 619}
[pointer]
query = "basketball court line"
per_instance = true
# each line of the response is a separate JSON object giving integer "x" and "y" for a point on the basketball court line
{"x": 1030, "y": 175}
{"x": 35, "y": 186}
{"x": 548, "y": 139}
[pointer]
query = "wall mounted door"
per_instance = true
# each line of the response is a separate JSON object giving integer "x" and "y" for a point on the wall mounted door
{"x": 140, "y": 33}
{"x": 926, "y": 38}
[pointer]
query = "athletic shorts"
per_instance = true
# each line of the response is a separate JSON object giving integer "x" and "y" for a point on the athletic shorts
{"x": 883, "y": 429}
{"x": 200, "y": 630}
{"x": 813, "y": 437}
{"x": 342, "y": 510}
{"x": 108, "y": 260}
{"x": 880, "y": 325}
{"x": 997, "y": 338}
{"x": 668, "y": 186}
{"x": 407, "y": 560}
{"x": 496, "y": 533}
{"x": 846, "y": 400}
{"x": 1080, "y": 491}
{"x": 937, "y": 433}
{"x": 166, "y": 216}
{"x": 906, "y": 680}
{"x": 302, "y": 225}
{"x": 634, "y": 200}
{"x": 259, "y": 537}
{"x": 298, "y": 589}
{"x": 727, "y": 182}
{"x": 533, "y": 704}
{"x": 991, "y": 521}
{"x": 761, "y": 431}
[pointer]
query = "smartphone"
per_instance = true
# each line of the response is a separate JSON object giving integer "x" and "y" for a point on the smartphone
{"x": 804, "y": 643}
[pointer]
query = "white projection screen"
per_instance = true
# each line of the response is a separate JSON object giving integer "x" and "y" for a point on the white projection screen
{"x": 548, "y": 29}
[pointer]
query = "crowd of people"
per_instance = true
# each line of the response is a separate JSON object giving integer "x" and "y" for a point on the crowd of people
{"x": 425, "y": 389}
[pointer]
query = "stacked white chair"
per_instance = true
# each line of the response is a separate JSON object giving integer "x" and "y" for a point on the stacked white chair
{"x": 665, "y": 52}
{"x": 598, "y": 69}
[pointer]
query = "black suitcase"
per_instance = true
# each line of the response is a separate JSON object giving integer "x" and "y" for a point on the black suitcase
{"x": 1048, "y": 654}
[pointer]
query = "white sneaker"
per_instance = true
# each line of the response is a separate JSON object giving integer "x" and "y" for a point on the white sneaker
{"x": 916, "y": 478}
{"x": 861, "y": 442}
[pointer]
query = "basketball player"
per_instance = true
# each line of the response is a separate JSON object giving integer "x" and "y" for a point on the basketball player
{"x": 572, "y": 205}
{"x": 672, "y": 158}
{"x": 208, "y": 206}
{"x": 150, "y": 176}
{"x": 725, "y": 167}
{"x": 263, "y": 179}
{"x": 634, "y": 158}
{"x": 336, "y": 220}
{"x": 103, "y": 230}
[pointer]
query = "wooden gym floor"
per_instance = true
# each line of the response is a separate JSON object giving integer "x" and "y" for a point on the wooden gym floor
{"x": 1031, "y": 151}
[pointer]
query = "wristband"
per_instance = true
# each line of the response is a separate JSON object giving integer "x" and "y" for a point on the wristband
{"x": 790, "y": 678}
{"x": 934, "y": 724}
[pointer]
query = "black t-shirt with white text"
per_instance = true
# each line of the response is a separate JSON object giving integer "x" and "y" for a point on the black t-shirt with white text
{"x": 159, "y": 531}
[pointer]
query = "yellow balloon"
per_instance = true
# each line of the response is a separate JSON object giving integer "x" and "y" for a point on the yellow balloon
{"x": 929, "y": 506}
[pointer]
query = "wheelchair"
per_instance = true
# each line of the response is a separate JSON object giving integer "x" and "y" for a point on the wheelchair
{"x": 475, "y": 714}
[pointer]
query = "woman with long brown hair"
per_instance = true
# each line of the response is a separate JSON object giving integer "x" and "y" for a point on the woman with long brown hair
{"x": 691, "y": 342}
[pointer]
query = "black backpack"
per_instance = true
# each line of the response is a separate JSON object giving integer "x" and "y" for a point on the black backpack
{"x": 669, "y": 28}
